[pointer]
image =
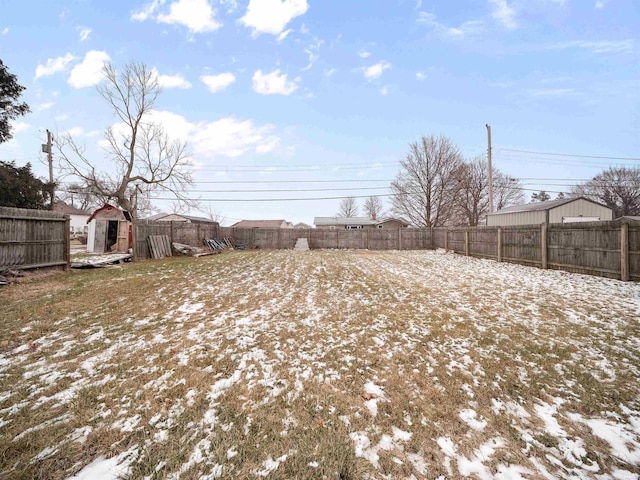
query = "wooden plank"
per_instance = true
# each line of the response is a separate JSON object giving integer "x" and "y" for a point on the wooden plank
{"x": 624, "y": 252}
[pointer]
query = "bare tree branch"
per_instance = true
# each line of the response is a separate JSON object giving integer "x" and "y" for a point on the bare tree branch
{"x": 137, "y": 150}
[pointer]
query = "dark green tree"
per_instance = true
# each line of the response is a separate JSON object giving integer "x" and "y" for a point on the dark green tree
{"x": 10, "y": 108}
{"x": 540, "y": 197}
{"x": 20, "y": 188}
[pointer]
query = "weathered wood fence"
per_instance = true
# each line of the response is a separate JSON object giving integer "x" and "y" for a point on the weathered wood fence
{"x": 36, "y": 238}
{"x": 33, "y": 239}
{"x": 607, "y": 249}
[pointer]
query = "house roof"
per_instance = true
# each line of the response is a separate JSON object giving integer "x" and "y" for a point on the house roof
{"x": 259, "y": 223}
{"x": 322, "y": 221}
{"x": 62, "y": 207}
{"x": 632, "y": 218}
{"x": 541, "y": 206}
{"x": 160, "y": 216}
{"x": 301, "y": 225}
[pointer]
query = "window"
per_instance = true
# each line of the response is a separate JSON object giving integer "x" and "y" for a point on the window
{"x": 353, "y": 227}
{"x": 380, "y": 226}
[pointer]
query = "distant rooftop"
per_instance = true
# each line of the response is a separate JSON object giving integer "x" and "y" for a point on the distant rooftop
{"x": 540, "y": 206}
{"x": 259, "y": 223}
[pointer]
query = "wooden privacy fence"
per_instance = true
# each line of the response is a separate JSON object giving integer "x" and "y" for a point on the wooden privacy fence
{"x": 607, "y": 249}
{"x": 33, "y": 239}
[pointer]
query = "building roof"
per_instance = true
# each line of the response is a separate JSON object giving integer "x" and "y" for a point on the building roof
{"x": 301, "y": 225}
{"x": 631, "y": 218}
{"x": 192, "y": 218}
{"x": 541, "y": 206}
{"x": 259, "y": 223}
{"x": 62, "y": 207}
{"x": 322, "y": 221}
{"x": 107, "y": 207}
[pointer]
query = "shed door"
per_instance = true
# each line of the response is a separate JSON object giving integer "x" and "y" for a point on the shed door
{"x": 101, "y": 236}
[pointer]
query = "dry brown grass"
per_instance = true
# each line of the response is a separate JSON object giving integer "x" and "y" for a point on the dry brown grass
{"x": 221, "y": 365}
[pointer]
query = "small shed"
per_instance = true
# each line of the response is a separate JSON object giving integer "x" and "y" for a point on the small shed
{"x": 109, "y": 230}
{"x": 566, "y": 210}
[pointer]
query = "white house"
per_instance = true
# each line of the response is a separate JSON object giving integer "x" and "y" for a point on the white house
{"x": 77, "y": 218}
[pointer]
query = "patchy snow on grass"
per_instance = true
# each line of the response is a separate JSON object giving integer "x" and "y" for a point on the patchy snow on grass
{"x": 372, "y": 365}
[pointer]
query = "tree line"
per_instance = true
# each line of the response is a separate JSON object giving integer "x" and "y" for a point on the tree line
{"x": 435, "y": 185}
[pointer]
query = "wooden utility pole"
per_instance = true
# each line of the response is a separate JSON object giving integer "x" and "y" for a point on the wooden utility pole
{"x": 490, "y": 169}
{"x": 49, "y": 152}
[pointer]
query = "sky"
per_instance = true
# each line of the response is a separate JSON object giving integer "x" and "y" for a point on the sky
{"x": 322, "y": 99}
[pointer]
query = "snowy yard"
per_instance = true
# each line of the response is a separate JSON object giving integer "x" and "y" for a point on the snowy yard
{"x": 321, "y": 364}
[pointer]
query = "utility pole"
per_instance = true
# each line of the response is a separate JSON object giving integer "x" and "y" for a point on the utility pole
{"x": 490, "y": 169}
{"x": 48, "y": 149}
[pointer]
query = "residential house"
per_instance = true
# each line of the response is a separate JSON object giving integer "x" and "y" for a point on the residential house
{"x": 262, "y": 224}
{"x": 179, "y": 217}
{"x": 566, "y": 210}
{"x": 302, "y": 225}
{"x": 358, "y": 223}
{"x": 77, "y": 218}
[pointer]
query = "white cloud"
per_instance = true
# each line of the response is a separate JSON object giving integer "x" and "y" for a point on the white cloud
{"x": 504, "y": 14}
{"x": 89, "y": 72}
{"x": 171, "y": 81}
{"x": 602, "y": 47}
{"x": 364, "y": 54}
{"x": 273, "y": 83}
{"x": 147, "y": 11}
{"x": 5, "y": 30}
{"x": 197, "y": 15}
{"x": 330, "y": 72}
{"x": 217, "y": 83}
{"x": 552, "y": 92}
{"x": 384, "y": 91}
{"x": 227, "y": 137}
{"x": 74, "y": 131}
{"x": 468, "y": 28}
{"x": 84, "y": 33}
{"x": 283, "y": 35}
{"x": 313, "y": 52}
{"x": 376, "y": 70}
{"x": 421, "y": 76}
{"x": 18, "y": 127}
{"x": 600, "y": 4}
{"x": 272, "y": 16}
{"x": 54, "y": 65}
{"x": 62, "y": 118}
{"x": 44, "y": 106}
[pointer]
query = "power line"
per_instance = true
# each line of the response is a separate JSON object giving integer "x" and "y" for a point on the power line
{"x": 568, "y": 154}
{"x": 253, "y": 200}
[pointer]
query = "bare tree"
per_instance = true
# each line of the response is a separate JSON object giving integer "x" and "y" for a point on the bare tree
{"x": 507, "y": 190}
{"x": 348, "y": 207}
{"x": 373, "y": 207}
{"x": 424, "y": 188}
{"x": 78, "y": 196}
{"x": 138, "y": 151}
{"x": 617, "y": 187}
{"x": 472, "y": 195}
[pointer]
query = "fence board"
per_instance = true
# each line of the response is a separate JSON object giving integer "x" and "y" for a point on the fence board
{"x": 33, "y": 238}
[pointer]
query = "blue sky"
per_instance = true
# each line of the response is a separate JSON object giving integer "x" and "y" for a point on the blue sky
{"x": 311, "y": 95}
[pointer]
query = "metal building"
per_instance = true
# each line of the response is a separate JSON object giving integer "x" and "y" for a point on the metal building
{"x": 566, "y": 210}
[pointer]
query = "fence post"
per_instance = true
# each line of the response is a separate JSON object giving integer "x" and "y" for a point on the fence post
{"x": 309, "y": 237}
{"x": 67, "y": 242}
{"x": 400, "y": 238}
{"x": 466, "y": 242}
{"x": 543, "y": 244}
{"x": 171, "y": 233}
{"x": 499, "y": 244}
{"x": 446, "y": 239}
{"x": 431, "y": 240}
{"x": 367, "y": 231}
{"x": 624, "y": 252}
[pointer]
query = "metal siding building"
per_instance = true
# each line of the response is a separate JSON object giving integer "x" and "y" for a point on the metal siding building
{"x": 554, "y": 211}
